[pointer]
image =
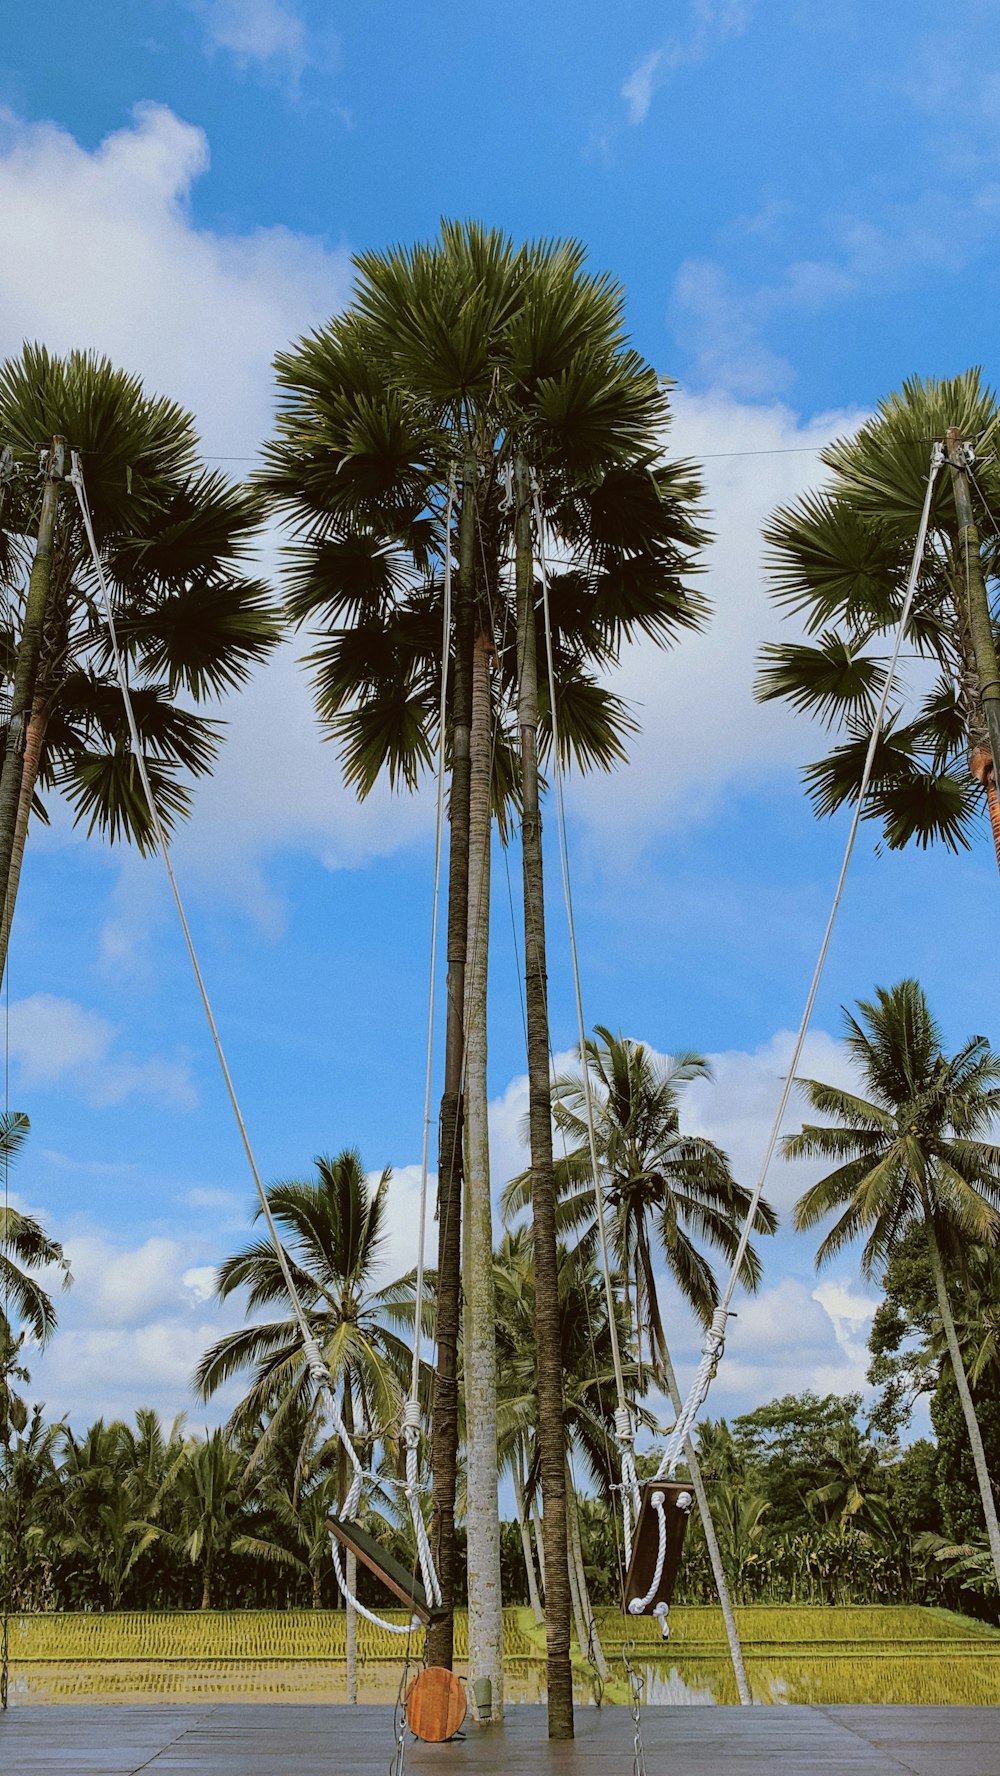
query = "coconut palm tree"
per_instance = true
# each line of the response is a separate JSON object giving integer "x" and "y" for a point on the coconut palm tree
{"x": 192, "y": 622}
{"x": 913, "y": 1150}
{"x": 667, "y": 1191}
{"x": 24, "y": 1247}
{"x": 838, "y": 560}
{"x": 336, "y": 1228}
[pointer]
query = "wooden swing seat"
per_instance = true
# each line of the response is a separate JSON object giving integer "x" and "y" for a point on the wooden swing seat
{"x": 646, "y": 1544}
{"x": 403, "y": 1584}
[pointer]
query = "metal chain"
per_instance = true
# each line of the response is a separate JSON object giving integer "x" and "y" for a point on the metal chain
{"x": 637, "y": 1684}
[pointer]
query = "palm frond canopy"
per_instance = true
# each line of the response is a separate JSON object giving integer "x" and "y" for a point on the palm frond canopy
{"x": 456, "y": 356}
{"x": 173, "y": 537}
{"x": 667, "y": 1192}
{"x": 333, "y": 1228}
{"x": 913, "y": 1145}
{"x": 24, "y": 1247}
{"x": 838, "y": 560}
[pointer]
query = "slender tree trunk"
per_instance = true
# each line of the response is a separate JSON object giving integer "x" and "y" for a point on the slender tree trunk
{"x": 351, "y": 1563}
{"x": 579, "y": 1625}
{"x": 548, "y": 1340}
{"x": 444, "y": 1422}
{"x": 534, "y": 1597}
{"x": 590, "y": 1645}
{"x": 711, "y": 1541}
{"x": 29, "y": 653}
{"x": 479, "y": 1340}
{"x": 964, "y": 1392}
{"x": 206, "y": 1586}
{"x": 33, "y": 741}
{"x": 351, "y": 1628}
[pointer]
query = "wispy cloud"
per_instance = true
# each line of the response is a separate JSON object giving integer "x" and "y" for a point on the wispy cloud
{"x": 711, "y": 24}
{"x": 55, "y": 1041}
{"x": 267, "y": 34}
{"x": 724, "y": 324}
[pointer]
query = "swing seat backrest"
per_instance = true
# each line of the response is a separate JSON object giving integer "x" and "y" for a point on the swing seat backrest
{"x": 403, "y": 1584}
{"x": 646, "y": 1544}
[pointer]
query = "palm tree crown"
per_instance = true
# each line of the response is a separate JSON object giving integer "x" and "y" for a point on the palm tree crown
{"x": 839, "y": 559}
{"x": 911, "y": 1152}
{"x": 334, "y": 1228}
{"x": 172, "y": 536}
{"x": 913, "y": 1148}
{"x": 659, "y": 1182}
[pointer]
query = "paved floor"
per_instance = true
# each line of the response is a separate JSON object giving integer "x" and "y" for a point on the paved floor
{"x": 234, "y": 1739}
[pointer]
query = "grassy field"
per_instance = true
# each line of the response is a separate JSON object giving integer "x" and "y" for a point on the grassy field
{"x": 793, "y": 1655}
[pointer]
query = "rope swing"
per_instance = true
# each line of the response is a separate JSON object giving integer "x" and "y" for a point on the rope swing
{"x": 315, "y": 1363}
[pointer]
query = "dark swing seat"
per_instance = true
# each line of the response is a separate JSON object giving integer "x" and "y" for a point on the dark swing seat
{"x": 646, "y": 1543}
{"x": 403, "y": 1584}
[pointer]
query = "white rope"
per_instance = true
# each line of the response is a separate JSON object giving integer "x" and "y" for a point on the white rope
{"x": 638, "y": 1604}
{"x": 431, "y": 995}
{"x": 716, "y": 1337}
{"x": 623, "y": 1417}
{"x": 318, "y": 1370}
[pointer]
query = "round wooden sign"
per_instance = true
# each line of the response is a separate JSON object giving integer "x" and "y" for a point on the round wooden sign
{"x": 435, "y": 1704}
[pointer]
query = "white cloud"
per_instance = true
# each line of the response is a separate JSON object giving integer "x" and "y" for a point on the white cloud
{"x": 712, "y": 23}
{"x": 736, "y": 1107}
{"x": 124, "y": 1288}
{"x": 198, "y": 314}
{"x": 55, "y": 1041}
{"x": 263, "y": 31}
{"x": 200, "y": 1281}
{"x": 702, "y": 733}
{"x": 850, "y": 1314}
{"x": 132, "y": 1328}
{"x": 402, "y": 1233}
{"x": 637, "y": 90}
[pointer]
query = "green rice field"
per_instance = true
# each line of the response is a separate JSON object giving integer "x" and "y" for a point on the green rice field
{"x": 820, "y": 1655}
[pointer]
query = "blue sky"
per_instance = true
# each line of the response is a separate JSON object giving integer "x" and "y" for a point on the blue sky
{"x": 803, "y": 204}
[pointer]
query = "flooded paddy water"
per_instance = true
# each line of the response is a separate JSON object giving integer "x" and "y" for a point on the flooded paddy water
{"x": 813, "y": 1655}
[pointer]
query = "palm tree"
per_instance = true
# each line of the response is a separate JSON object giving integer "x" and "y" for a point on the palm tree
{"x": 444, "y": 346}
{"x": 172, "y": 536}
{"x": 666, "y": 1190}
{"x": 653, "y": 1176}
{"x": 911, "y": 1151}
{"x": 24, "y": 1247}
{"x": 211, "y": 1490}
{"x": 851, "y": 1493}
{"x": 839, "y": 558}
{"x": 336, "y": 1230}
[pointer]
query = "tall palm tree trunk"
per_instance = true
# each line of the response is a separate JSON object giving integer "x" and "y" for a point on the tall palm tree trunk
{"x": 964, "y": 1391}
{"x": 29, "y": 653}
{"x": 351, "y": 1628}
{"x": 351, "y": 1565}
{"x": 534, "y": 1596}
{"x": 33, "y": 740}
{"x": 440, "y": 1641}
{"x": 548, "y": 1340}
{"x": 711, "y": 1539}
{"x": 479, "y": 1317}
